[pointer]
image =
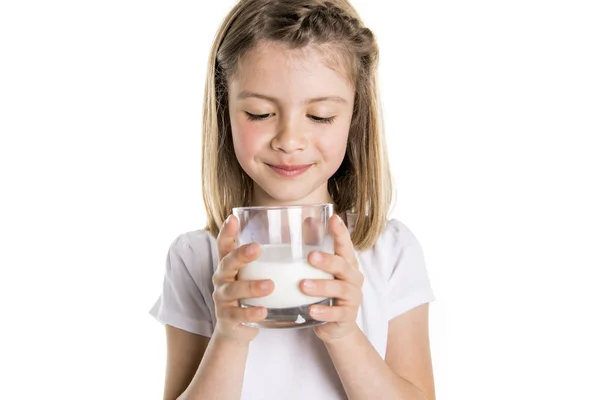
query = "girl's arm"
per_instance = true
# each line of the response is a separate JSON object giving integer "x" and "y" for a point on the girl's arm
{"x": 184, "y": 353}
{"x": 220, "y": 374}
{"x": 406, "y": 373}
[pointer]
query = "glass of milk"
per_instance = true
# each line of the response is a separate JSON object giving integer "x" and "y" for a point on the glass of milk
{"x": 287, "y": 235}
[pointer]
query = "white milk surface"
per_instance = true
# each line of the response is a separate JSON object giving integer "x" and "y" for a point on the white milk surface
{"x": 276, "y": 263}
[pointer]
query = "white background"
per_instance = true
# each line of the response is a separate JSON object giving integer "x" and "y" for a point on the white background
{"x": 492, "y": 119}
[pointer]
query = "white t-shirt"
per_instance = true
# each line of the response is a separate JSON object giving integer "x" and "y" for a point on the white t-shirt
{"x": 294, "y": 364}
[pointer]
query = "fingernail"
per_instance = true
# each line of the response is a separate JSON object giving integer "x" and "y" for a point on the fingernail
{"x": 316, "y": 310}
{"x": 308, "y": 284}
{"x": 317, "y": 257}
{"x": 339, "y": 219}
{"x": 264, "y": 285}
{"x": 250, "y": 250}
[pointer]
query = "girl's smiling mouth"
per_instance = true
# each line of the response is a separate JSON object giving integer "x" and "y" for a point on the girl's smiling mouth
{"x": 290, "y": 171}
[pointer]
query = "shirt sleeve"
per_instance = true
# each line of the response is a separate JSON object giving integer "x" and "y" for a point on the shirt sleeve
{"x": 408, "y": 284}
{"x": 186, "y": 299}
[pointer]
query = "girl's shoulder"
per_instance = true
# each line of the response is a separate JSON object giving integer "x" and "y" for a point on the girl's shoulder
{"x": 394, "y": 236}
{"x": 396, "y": 233}
{"x": 197, "y": 249}
{"x": 396, "y": 247}
{"x": 197, "y": 239}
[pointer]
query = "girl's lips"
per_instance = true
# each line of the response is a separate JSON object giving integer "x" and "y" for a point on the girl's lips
{"x": 290, "y": 171}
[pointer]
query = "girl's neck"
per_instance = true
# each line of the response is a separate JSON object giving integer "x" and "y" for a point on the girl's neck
{"x": 262, "y": 199}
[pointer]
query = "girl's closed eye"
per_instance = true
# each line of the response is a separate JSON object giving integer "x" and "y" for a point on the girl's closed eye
{"x": 314, "y": 118}
{"x": 322, "y": 120}
{"x": 257, "y": 117}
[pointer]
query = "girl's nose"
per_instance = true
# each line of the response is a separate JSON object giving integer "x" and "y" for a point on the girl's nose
{"x": 289, "y": 138}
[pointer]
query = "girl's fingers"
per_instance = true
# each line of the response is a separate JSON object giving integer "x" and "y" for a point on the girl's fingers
{"x": 332, "y": 288}
{"x": 337, "y": 266}
{"x": 234, "y": 261}
{"x": 226, "y": 240}
{"x": 239, "y": 315}
{"x": 236, "y": 290}
{"x": 342, "y": 244}
{"x": 332, "y": 314}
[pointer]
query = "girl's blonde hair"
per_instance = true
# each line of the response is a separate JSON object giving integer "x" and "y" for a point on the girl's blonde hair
{"x": 362, "y": 184}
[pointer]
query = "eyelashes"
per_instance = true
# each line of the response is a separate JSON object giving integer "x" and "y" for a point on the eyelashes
{"x": 314, "y": 118}
{"x": 320, "y": 120}
{"x": 257, "y": 117}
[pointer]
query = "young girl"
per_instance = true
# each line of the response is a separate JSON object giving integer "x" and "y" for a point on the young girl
{"x": 291, "y": 117}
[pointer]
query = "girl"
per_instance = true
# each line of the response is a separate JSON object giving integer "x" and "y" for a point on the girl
{"x": 291, "y": 117}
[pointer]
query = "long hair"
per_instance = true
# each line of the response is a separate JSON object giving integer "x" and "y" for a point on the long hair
{"x": 362, "y": 184}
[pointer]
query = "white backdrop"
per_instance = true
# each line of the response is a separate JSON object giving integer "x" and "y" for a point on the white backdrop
{"x": 492, "y": 119}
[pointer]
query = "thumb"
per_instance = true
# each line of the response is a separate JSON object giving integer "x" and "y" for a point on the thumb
{"x": 227, "y": 238}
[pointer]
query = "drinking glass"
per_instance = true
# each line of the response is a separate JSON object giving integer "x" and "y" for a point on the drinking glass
{"x": 287, "y": 235}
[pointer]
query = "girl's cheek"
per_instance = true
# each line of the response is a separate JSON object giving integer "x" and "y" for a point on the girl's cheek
{"x": 249, "y": 135}
{"x": 332, "y": 143}
{"x": 242, "y": 127}
{"x": 250, "y": 129}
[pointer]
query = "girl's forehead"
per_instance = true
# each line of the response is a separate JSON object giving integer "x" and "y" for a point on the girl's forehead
{"x": 275, "y": 66}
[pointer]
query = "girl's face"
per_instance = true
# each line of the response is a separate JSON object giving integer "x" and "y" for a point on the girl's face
{"x": 290, "y": 118}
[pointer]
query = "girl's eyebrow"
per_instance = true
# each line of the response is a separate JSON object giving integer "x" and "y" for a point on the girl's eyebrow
{"x": 245, "y": 94}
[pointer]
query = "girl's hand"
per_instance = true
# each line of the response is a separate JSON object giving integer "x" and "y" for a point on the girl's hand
{"x": 228, "y": 290}
{"x": 346, "y": 288}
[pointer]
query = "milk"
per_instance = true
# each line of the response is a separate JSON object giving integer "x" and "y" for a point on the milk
{"x": 286, "y": 272}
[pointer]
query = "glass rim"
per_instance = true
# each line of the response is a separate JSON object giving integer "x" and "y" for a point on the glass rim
{"x": 295, "y": 206}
